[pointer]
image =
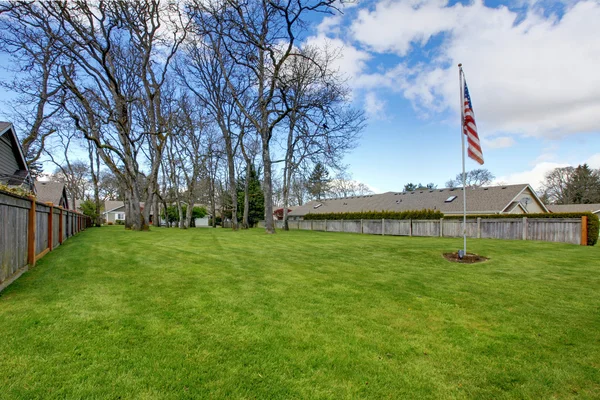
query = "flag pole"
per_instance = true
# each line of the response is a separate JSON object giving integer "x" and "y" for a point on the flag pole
{"x": 462, "y": 143}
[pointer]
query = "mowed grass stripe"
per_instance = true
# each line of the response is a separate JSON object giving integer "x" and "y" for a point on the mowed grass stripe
{"x": 210, "y": 313}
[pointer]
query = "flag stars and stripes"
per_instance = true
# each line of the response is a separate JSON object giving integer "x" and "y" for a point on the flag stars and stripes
{"x": 470, "y": 128}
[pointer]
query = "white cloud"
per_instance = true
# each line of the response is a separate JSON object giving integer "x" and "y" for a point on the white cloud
{"x": 538, "y": 77}
{"x": 374, "y": 107}
{"x": 534, "y": 176}
{"x": 351, "y": 62}
{"x": 394, "y": 25}
{"x": 500, "y": 142}
{"x": 594, "y": 161}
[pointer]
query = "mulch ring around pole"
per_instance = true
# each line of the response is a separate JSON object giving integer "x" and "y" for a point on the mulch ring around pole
{"x": 468, "y": 258}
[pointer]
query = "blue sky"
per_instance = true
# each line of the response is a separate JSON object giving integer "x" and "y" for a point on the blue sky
{"x": 532, "y": 70}
{"x": 531, "y": 67}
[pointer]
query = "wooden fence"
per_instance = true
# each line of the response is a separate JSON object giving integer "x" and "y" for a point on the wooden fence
{"x": 565, "y": 230}
{"x": 29, "y": 230}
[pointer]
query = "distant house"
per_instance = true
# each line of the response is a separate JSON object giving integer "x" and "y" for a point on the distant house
{"x": 566, "y": 208}
{"x": 13, "y": 168}
{"x": 507, "y": 199}
{"x": 278, "y": 213}
{"x": 52, "y": 192}
{"x": 114, "y": 210}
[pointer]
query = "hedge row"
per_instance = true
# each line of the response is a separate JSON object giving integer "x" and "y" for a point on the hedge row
{"x": 593, "y": 225}
{"x": 416, "y": 214}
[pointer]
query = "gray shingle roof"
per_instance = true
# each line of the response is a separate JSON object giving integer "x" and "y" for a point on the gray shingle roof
{"x": 558, "y": 208}
{"x": 4, "y": 126}
{"x": 49, "y": 192}
{"x": 112, "y": 204}
{"x": 483, "y": 200}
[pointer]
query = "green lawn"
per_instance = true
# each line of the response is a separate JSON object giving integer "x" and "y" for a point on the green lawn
{"x": 210, "y": 313}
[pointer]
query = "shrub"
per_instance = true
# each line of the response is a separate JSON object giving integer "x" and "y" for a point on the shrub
{"x": 414, "y": 214}
{"x": 119, "y": 222}
{"x": 592, "y": 227}
{"x": 109, "y": 223}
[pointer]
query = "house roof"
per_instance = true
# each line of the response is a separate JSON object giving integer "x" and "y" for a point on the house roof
{"x": 8, "y": 127}
{"x": 559, "y": 208}
{"x": 49, "y": 192}
{"x": 116, "y": 205}
{"x": 20, "y": 176}
{"x": 110, "y": 205}
{"x": 482, "y": 200}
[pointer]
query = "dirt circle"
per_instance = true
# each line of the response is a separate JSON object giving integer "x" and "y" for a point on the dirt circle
{"x": 469, "y": 258}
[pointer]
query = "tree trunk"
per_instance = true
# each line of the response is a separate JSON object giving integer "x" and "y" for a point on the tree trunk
{"x": 245, "y": 222}
{"x": 268, "y": 188}
{"x": 231, "y": 173}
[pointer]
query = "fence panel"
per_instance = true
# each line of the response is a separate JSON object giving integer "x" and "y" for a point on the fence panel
{"x": 397, "y": 227}
{"x": 502, "y": 228}
{"x": 55, "y": 227}
{"x": 429, "y": 227}
{"x": 305, "y": 225}
{"x": 335, "y": 226}
{"x": 352, "y": 226}
{"x": 14, "y": 218}
{"x": 319, "y": 225}
{"x": 41, "y": 228}
{"x": 15, "y": 234}
{"x": 454, "y": 228}
{"x": 294, "y": 225}
{"x": 372, "y": 226}
{"x": 566, "y": 230}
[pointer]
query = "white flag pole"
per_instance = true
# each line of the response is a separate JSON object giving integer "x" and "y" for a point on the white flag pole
{"x": 462, "y": 141}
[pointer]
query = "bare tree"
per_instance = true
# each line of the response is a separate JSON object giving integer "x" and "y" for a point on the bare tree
{"x": 34, "y": 66}
{"x": 474, "y": 178}
{"x": 204, "y": 75}
{"x": 116, "y": 56}
{"x": 259, "y": 37}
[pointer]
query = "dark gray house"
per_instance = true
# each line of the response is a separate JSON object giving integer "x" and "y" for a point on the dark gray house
{"x": 13, "y": 168}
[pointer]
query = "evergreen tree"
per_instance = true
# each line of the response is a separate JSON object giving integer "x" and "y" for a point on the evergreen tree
{"x": 318, "y": 182}
{"x": 584, "y": 186}
{"x": 256, "y": 211}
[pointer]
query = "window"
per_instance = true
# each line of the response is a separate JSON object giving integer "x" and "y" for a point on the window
{"x": 450, "y": 199}
{"x": 318, "y": 205}
{"x": 120, "y": 216}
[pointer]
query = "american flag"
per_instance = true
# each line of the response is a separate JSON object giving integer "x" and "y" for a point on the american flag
{"x": 470, "y": 129}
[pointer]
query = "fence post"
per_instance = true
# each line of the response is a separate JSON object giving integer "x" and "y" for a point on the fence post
{"x": 441, "y": 227}
{"x": 51, "y": 226}
{"x": 584, "y": 230}
{"x": 60, "y": 226}
{"x": 478, "y": 227}
{"x": 31, "y": 234}
{"x": 382, "y": 226}
{"x": 361, "y": 226}
{"x": 524, "y": 228}
{"x": 410, "y": 227}
{"x": 325, "y": 225}
{"x": 311, "y": 225}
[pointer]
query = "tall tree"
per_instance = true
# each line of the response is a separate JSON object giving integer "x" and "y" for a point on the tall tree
{"x": 474, "y": 178}
{"x": 584, "y": 186}
{"x": 115, "y": 57}
{"x": 318, "y": 182}
{"x": 34, "y": 67}
{"x": 259, "y": 37}
{"x": 256, "y": 198}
